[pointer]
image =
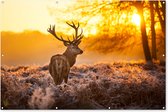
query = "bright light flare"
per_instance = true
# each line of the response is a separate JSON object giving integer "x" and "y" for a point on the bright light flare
{"x": 136, "y": 19}
{"x": 93, "y": 31}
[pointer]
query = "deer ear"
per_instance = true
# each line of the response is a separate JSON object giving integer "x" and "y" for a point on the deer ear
{"x": 66, "y": 44}
{"x": 78, "y": 42}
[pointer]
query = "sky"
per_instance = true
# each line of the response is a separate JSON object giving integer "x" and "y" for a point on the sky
{"x": 20, "y": 15}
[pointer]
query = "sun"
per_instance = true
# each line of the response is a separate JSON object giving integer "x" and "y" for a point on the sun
{"x": 136, "y": 19}
{"x": 93, "y": 31}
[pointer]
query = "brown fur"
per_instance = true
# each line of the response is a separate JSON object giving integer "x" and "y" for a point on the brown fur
{"x": 59, "y": 68}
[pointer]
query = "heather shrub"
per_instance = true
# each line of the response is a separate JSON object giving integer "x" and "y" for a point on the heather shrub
{"x": 98, "y": 86}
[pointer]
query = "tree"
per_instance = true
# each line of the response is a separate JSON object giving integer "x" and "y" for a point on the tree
{"x": 153, "y": 34}
{"x": 139, "y": 6}
{"x": 161, "y": 14}
{"x": 160, "y": 9}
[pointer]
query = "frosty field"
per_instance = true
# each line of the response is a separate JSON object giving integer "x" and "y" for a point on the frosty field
{"x": 96, "y": 86}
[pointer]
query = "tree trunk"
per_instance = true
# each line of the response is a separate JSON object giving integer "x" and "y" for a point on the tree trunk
{"x": 144, "y": 35}
{"x": 153, "y": 34}
{"x": 161, "y": 17}
{"x": 161, "y": 14}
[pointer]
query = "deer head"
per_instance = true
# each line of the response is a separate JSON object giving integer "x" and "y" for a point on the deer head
{"x": 72, "y": 45}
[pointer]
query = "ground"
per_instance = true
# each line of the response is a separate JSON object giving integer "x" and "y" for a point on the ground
{"x": 96, "y": 86}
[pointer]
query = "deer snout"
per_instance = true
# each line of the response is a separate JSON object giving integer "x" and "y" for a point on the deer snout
{"x": 81, "y": 51}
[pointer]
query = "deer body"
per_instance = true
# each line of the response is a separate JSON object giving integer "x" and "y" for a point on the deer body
{"x": 60, "y": 64}
{"x": 59, "y": 68}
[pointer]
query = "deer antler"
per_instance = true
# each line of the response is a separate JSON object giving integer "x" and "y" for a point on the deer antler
{"x": 51, "y": 30}
{"x": 77, "y": 37}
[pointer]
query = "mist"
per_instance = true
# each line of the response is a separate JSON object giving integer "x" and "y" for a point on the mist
{"x": 36, "y": 48}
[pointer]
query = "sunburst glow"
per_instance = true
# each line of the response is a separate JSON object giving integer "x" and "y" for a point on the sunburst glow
{"x": 136, "y": 19}
{"x": 93, "y": 31}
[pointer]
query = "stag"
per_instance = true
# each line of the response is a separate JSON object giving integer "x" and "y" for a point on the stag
{"x": 60, "y": 64}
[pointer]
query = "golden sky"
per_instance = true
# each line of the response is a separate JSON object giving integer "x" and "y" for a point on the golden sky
{"x": 20, "y": 15}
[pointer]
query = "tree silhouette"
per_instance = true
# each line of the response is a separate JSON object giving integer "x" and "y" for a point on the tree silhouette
{"x": 140, "y": 5}
{"x": 153, "y": 33}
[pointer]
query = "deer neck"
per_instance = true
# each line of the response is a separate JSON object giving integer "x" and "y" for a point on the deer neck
{"x": 71, "y": 57}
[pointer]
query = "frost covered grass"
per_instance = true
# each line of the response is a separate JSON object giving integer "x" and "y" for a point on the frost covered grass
{"x": 98, "y": 86}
